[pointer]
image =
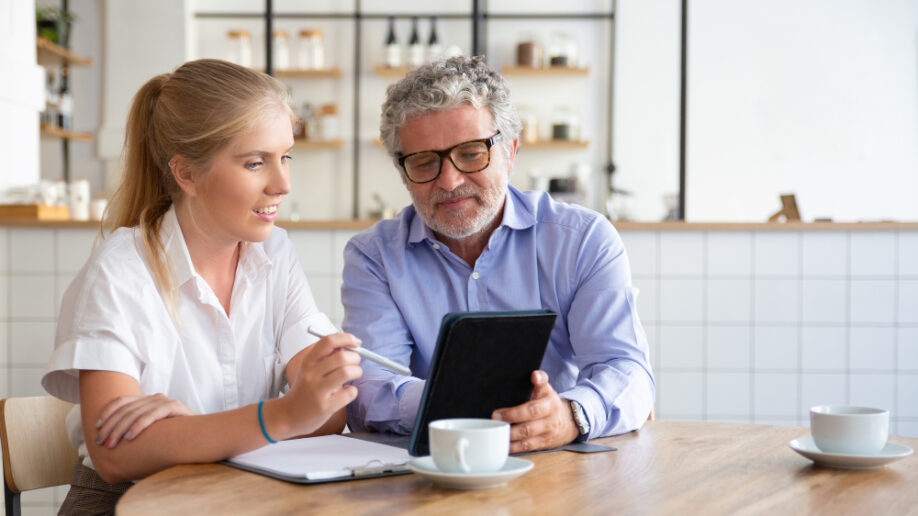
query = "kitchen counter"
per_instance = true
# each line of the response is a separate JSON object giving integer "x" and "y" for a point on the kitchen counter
{"x": 358, "y": 224}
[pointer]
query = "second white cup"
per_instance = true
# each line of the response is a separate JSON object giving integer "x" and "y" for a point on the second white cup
{"x": 469, "y": 445}
{"x": 849, "y": 430}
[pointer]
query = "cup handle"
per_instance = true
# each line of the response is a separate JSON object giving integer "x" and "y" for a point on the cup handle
{"x": 462, "y": 445}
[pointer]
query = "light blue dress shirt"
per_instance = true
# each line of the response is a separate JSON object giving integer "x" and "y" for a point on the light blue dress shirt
{"x": 399, "y": 281}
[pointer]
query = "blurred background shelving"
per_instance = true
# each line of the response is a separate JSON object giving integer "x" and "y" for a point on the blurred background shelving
{"x": 350, "y": 175}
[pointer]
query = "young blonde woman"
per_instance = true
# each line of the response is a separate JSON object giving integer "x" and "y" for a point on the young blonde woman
{"x": 191, "y": 316}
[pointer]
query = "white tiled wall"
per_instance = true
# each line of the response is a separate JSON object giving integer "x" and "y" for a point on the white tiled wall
{"x": 749, "y": 326}
{"x": 757, "y": 326}
{"x": 38, "y": 264}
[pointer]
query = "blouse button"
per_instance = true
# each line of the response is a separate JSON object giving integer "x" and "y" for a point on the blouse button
{"x": 475, "y": 275}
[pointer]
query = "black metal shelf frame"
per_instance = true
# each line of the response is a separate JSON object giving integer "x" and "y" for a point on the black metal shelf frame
{"x": 479, "y": 16}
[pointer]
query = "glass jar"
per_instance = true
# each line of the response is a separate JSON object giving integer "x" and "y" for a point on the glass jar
{"x": 530, "y": 123}
{"x": 529, "y": 52}
{"x": 329, "y": 121}
{"x": 281, "y": 50}
{"x": 562, "y": 51}
{"x": 565, "y": 126}
{"x": 312, "y": 49}
{"x": 240, "y": 50}
{"x": 312, "y": 127}
{"x": 79, "y": 199}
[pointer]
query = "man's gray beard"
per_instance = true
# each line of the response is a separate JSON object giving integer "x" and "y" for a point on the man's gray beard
{"x": 490, "y": 202}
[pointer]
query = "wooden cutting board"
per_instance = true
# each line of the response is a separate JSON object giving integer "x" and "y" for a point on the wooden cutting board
{"x": 34, "y": 212}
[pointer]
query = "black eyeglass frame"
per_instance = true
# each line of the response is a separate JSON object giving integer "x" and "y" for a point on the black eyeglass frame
{"x": 448, "y": 153}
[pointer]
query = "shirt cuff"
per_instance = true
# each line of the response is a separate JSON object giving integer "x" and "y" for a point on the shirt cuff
{"x": 592, "y": 405}
{"x": 409, "y": 400}
{"x": 61, "y": 378}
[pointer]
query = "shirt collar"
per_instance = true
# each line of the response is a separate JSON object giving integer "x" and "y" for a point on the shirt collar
{"x": 176, "y": 250}
{"x": 253, "y": 259}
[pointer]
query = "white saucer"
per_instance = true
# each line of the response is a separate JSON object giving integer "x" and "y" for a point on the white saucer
{"x": 513, "y": 468}
{"x": 892, "y": 451}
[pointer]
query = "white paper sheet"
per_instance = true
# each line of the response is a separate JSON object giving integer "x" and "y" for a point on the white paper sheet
{"x": 317, "y": 458}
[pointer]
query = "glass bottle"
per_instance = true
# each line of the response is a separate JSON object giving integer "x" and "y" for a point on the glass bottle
{"x": 240, "y": 51}
{"x": 415, "y": 49}
{"x": 65, "y": 103}
{"x": 434, "y": 48}
{"x": 299, "y": 125}
{"x": 49, "y": 115}
{"x": 393, "y": 50}
{"x": 281, "y": 49}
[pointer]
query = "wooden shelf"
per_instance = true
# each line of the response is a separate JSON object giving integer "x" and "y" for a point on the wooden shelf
{"x": 541, "y": 144}
{"x": 389, "y": 71}
{"x": 34, "y": 212}
{"x": 52, "y": 54}
{"x": 324, "y": 72}
{"x": 547, "y": 70}
{"x": 555, "y": 144}
{"x": 53, "y": 130}
{"x": 319, "y": 144}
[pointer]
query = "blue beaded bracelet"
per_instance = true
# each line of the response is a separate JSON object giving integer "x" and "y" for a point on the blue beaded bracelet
{"x": 261, "y": 422}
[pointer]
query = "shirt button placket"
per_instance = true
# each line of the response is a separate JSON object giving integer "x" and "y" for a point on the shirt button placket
{"x": 228, "y": 364}
{"x": 473, "y": 291}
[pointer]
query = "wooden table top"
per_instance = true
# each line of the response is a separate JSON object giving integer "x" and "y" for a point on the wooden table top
{"x": 667, "y": 467}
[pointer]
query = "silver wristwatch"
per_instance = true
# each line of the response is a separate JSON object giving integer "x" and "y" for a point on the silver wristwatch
{"x": 580, "y": 419}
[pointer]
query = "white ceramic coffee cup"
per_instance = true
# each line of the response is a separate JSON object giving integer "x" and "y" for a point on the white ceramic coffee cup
{"x": 849, "y": 430}
{"x": 469, "y": 445}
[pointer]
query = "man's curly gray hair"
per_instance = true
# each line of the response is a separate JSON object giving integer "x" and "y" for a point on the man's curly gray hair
{"x": 447, "y": 84}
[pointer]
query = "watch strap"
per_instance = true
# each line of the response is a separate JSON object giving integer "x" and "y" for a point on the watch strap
{"x": 580, "y": 419}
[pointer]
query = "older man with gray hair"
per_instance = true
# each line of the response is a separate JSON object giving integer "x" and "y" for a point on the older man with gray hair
{"x": 470, "y": 241}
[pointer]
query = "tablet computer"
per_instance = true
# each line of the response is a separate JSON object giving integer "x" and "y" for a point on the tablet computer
{"x": 483, "y": 361}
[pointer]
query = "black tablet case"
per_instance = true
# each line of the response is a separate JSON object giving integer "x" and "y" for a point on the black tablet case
{"x": 483, "y": 361}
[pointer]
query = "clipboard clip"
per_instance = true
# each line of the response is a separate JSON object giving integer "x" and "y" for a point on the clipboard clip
{"x": 377, "y": 467}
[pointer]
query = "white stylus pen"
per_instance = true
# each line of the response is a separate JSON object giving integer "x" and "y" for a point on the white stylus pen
{"x": 369, "y": 355}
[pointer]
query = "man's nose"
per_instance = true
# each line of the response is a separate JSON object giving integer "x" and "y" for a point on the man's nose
{"x": 450, "y": 177}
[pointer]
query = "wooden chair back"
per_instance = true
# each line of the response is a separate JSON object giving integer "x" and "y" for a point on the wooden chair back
{"x": 36, "y": 450}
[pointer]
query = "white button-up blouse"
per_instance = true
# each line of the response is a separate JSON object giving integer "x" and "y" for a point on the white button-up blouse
{"x": 114, "y": 318}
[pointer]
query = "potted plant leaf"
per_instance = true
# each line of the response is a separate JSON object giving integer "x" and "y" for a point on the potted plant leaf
{"x": 53, "y": 24}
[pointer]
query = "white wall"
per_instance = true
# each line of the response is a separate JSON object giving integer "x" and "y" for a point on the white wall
{"x": 815, "y": 97}
{"x": 141, "y": 39}
{"x": 21, "y": 94}
{"x": 645, "y": 141}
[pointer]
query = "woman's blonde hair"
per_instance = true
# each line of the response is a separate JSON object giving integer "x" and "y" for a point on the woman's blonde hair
{"x": 193, "y": 112}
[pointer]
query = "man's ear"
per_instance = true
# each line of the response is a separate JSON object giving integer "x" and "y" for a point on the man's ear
{"x": 511, "y": 156}
{"x": 182, "y": 173}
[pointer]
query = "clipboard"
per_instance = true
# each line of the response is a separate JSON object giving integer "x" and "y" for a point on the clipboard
{"x": 483, "y": 361}
{"x": 327, "y": 458}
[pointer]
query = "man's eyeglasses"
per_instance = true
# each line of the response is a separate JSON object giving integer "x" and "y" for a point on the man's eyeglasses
{"x": 467, "y": 157}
